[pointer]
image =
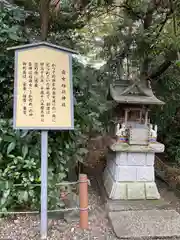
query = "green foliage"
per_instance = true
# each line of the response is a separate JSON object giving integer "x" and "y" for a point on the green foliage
{"x": 19, "y": 164}
{"x": 11, "y": 33}
{"x": 144, "y": 37}
{"x": 131, "y": 36}
{"x": 20, "y": 150}
{"x": 168, "y": 116}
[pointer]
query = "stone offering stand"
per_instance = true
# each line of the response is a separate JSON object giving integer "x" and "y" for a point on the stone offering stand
{"x": 130, "y": 173}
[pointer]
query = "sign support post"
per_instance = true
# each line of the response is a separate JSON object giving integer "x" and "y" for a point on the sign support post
{"x": 44, "y": 183}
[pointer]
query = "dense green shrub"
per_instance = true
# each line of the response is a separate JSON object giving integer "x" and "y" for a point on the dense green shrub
{"x": 167, "y": 117}
{"x": 20, "y": 150}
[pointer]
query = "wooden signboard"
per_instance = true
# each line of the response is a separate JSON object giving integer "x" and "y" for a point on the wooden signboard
{"x": 43, "y": 99}
{"x": 43, "y": 95}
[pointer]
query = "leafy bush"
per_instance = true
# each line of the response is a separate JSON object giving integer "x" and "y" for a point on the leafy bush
{"x": 20, "y": 150}
{"x": 167, "y": 117}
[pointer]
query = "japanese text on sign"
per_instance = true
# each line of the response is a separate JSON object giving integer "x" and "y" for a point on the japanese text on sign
{"x": 44, "y": 92}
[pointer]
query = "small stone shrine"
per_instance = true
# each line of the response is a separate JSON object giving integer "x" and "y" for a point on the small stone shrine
{"x": 129, "y": 173}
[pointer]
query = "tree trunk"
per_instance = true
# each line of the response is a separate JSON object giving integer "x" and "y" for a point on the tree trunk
{"x": 44, "y": 14}
{"x": 145, "y": 63}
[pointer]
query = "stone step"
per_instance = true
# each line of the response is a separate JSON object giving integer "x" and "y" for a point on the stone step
{"x": 145, "y": 224}
{"x": 135, "y": 205}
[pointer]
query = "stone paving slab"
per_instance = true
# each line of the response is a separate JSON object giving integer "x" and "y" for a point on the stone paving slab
{"x": 125, "y": 205}
{"x": 145, "y": 224}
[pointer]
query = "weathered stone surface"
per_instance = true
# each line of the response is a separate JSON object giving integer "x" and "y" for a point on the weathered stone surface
{"x": 121, "y": 158}
{"x": 129, "y": 190}
{"x": 124, "y": 173}
{"x": 133, "y": 169}
{"x": 115, "y": 190}
{"x": 136, "y": 190}
{"x": 150, "y": 159}
{"x": 136, "y": 159}
{"x": 145, "y": 174}
{"x": 120, "y": 191}
{"x": 152, "y": 191}
{"x": 121, "y": 173}
{"x": 132, "y": 158}
{"x": 154, "y": 147}
{"x": 130, "y": 173}
{"x": 126, "y": 205}
{"x": 108, "y": 183}
{"x": 145, "y": 224}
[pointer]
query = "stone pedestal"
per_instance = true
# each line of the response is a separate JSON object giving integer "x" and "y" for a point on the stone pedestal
{"x": 130, "y": 175}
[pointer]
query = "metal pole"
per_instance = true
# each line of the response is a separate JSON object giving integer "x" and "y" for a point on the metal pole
{"x": 44, "y": 185}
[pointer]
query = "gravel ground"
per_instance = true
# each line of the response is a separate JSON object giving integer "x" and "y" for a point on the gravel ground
{"x": 27, "y": 227}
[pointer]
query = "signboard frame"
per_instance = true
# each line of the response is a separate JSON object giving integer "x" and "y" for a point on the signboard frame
{"x": 35, "y": 46}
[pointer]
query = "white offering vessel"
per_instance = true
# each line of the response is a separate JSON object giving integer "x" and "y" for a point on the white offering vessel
{"x": 121, "y": 130}
{"x": 153, "y": 132}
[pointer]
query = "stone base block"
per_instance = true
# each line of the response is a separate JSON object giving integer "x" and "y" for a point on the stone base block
{"x": 132, "y": 158}
{"x": 129, "y": 190}
{"x": 131, "y": 173}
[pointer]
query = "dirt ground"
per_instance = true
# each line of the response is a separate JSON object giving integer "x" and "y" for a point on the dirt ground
{"x": 27, "y": 227}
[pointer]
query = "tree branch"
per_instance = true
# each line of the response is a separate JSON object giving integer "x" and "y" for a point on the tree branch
{"x": 163, "y": 23}
{"x": 131, "y": 12}
{"x": 160, "y": 70}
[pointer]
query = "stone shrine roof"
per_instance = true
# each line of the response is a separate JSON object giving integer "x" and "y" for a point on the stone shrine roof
{"x": 132, "y": 92}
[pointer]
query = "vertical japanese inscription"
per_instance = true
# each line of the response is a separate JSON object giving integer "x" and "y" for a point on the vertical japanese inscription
{"x": 40, "y": 76}
{"x": 36, "y": 74}
{"x": 63, "y": 88}
{"x": 48, "y": 103}
{"x": 30, "y": 97}
{"x": 53, "y": 77}
{"x": 42, "y": 105}
{"x": 24, "y": 77}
